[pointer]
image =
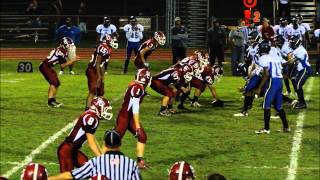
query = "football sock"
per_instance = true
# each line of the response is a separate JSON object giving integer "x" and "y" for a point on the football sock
{"x": 247, "y": 102}
{"x": 106, "y": 66}
{"x": 195, "y": 99}
{"x": 266, "y": 116}
{"x": 286, "y": 83}
{"x": 293, "y": 81}
{"x": 301, "y": 96}
{"x": 126, "y": 64}
{"x": 283, "y": 117}
{"x": 162, "y": 108}
{"x": 183, "y": 98}
{"x": 50, "y": 100}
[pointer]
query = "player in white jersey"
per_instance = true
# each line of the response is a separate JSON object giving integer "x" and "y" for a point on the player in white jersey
{"x": 283, "y": 29}
{"x": 307, "y": 28}
{"x": 272, "y": 74}
{"x": 317, "y": 37}
{"x": 134, "y": 35}
{"x": 297, "y": 30}
{"x": 102, "y": 30}
{"x": 105, "y": 28}
{"x": 300, "y": 56}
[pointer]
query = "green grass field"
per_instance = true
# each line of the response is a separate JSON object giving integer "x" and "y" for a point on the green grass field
{"x": 210, "y": 139}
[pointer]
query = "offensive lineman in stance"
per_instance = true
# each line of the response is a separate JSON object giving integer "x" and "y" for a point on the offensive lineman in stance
{"x": 95, "y": 69}
{"x": 69, "y": 153}
{"x": 147, "y": 48}
{"x": 65, "y": 50}
{"x": 128, "y": 117}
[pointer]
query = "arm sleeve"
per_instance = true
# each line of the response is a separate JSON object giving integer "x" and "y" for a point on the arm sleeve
{"x": 84, "y": 171}
{"x": 90, "y": 124}
{"x": 98, "y": 29}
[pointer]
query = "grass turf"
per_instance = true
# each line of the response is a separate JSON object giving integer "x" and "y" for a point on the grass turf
{"x": 210, "y": 139}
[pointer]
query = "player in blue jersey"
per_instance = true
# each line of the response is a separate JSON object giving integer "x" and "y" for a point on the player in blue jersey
{"x": 272, "y": 74}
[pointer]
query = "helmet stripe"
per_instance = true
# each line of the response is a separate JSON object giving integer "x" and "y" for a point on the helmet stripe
{"x": 35, "y": 172}
{"x": 181, "y": 170}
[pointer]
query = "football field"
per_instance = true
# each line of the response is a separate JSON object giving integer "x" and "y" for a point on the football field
{"x": 208, "y": 138}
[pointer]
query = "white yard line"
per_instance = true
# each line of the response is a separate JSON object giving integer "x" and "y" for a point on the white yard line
{"x": 275, "y": 167}
{"x": 38, "y": 150}
{"x": 297, "y": 138}
{"x": 44, "y": 145}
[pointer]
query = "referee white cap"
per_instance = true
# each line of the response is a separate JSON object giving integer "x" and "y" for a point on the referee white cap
{"x": 112, "y": 138}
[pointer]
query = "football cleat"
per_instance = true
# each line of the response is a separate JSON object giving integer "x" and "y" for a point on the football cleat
{"x": 181, "y": 107}
{"x": 164, "y": 113}
{"x": 276, "y": 116}
{"x": 60, "y": 72}
{"x": 172, "y": 111}
{"x": 195, "y": 104}
{"x": 300, "y": 105}
{"x": 241, "y": 114}
{"x": 262, "y": 131}
{"x": 55, "y": 104}
{"x": 72, "y": 72}
{"x": 217, "y": 103}
{"x": 284, "y": 130}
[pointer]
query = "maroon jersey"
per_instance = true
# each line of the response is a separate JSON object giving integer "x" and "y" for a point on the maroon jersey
{"x": 168, "y": 76}
{"x": 56, "y": 56}
{"x": 102, "y": 50}
{"x": 87, "y": 123}
{"x": 151, "y": 45}
{"x": 207, "y": 75}
{"x": 191, "y": 60}
{"x": 132, "y": 98}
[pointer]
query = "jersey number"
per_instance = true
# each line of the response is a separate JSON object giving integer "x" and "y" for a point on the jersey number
{"x": 90, "y": 121}
{"x": 134, "y": 35}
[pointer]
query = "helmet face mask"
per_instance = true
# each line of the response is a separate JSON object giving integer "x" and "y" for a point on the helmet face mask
{"x": 66, "y": 42}
{"x": 143, "y": 76}
{"x": 111, "y": 41}
{"x": 160, "y": 37}
{"x": 102, "y": 108}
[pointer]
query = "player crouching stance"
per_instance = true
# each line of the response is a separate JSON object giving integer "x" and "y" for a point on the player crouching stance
{"x": 95, "y": 70}
{"x": 69, "y": 153}
{"x": 128, "y": 117}
{"x": 168, "y": 82}
{"x": 272, "y": 73}
{"x": 300, "y": 56}
{"x": 146, "y": 49}
{"x": 65, "y": 50}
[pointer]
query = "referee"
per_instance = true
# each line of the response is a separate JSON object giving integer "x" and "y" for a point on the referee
{"x": 113, "y": 164}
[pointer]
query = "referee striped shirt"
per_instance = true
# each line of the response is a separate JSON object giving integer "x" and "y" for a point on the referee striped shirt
{"x": 113, "y": 165}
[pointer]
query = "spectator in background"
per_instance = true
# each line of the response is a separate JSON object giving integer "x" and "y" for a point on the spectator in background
{"x": 134, "y": 34}
{"x": 266, "y": 30}
{"x": 236, "y": 37}
{"x": 83, "y": 10}
{"x": 179, "y": 42}
{"x": 54, "y": 9}
{"x": 68, "y": 30}
{"x": 284, "y": 8}
{"x": 33, "y": 10}
{"x": 106, "y": 28}
{"x": 216, "y": 42}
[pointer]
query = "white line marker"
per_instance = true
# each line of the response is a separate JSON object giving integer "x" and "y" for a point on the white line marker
{"x": 38, "y": 150}
{"x": 297, "y": 138}
{"x": 17, "y": 163}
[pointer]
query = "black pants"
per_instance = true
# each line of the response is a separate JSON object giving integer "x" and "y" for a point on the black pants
{"x": 178, "y": 53}
{"x": 216, "y": 51}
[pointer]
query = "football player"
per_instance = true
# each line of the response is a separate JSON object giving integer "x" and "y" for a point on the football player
{"x": 65, "y": 50}
{"x": 283, "y": 29}
{"x": 273, "y": 96}
{"x": 307, "y": 30}
{"x": 134, "y": 35}
{"x": 299, "y": 56}
{"x": 128, "y": 117}
{"x": 168, "y": 82}
{"x": 181, "y": 171}
{"x": 147, "y": 48}
{"x": 95, "y": 69}
{"x": 69, "y": 153}
{"x": 297, "y": 29}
